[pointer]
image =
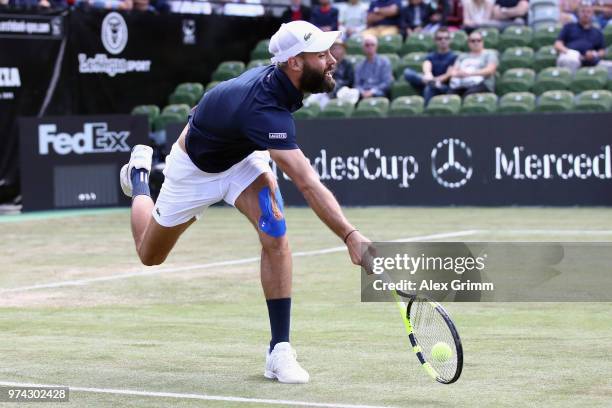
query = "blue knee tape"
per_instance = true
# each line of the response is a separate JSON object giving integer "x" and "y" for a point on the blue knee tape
{"x": 271, "y": 222}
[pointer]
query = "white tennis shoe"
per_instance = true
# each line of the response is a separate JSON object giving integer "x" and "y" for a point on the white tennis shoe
{"x": 281, "y": 364}
{"x": 141, "y": 158}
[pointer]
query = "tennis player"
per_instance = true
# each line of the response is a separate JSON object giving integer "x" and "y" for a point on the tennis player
{"x": 224, "y": 153}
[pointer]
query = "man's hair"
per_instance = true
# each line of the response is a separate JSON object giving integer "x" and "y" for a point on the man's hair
{"x": 442, "y": 30}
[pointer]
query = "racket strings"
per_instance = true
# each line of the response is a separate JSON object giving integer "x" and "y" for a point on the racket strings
{"x": 429, "y": 328}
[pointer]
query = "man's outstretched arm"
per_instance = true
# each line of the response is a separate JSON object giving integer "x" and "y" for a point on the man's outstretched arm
{"x": 319, "y": 198}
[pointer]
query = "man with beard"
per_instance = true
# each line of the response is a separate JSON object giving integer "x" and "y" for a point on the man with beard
{"x": 223, "y": 154}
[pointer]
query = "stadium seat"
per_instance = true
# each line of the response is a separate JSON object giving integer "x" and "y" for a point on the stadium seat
{"x": 479, "y": 103}
{"x": 545, "y": 35}
{"x": 400, "y": 87}
{"x": 517, "y": 102}
{"x": 543, "y": 13}
{"x": 307, "y": 111}
{"x": 258, "y": 63}
{"x": 391, "y": 43}
{"x": 421, "y": 42}
{"x": 179, "y": 109}
{"x": 372, "y": 107}
{"x": 555, "y": 101}
{"x": 355, "y": 58}
{"x": 490, "y": 36}
{"x": 228, "y": 70}
{"x": 550, "y": 79}
{"x": 459, "y": 40}
{"x": 261, "y": 50}
{"x": 211, "y": 85}
{"x": 608, "y": 54}
{"x": 195, "y": 88}
{"x": 594, "y": 101}
{"x": 515, "y": 36}
{"x": 516, "y": 57}
{"x": 151, "y": 111}
{"x": 163, "y": 120}
{"x": 545, "y": 57}
{"x": 354, "y": 45}
{"x": 182, "y": 97}
{"x": 589, "y": 78}
{"x": 444, "y": 105}
{"x": 394, "y": 59}
{"x": 407, "y": 106}
{"x": 516, "y": 80}
{"x": 607, "y": 32}
{"x": 414, "y": 61}
{"x": 337, "y": 108}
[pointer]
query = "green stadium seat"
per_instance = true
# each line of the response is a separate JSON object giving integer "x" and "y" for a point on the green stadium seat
{"x": 400, "y": 87}
{"x": 407, "y": 106}
{"x": 516, "y": 57}
{"x": 163, "y": 120}
{"x": 372, "y": 107}
{"x": 517, "y": 102}
{"x": 258, "y": 63}
{"x": 515, "y": 36}
{"x": 261, "y": 50}
{"x": 444, "y": 105}
{"x": 419, "y": 42}
{"x": 151, "y": 111}
{"x": 355, "y": 58}
{"x": 228, "y": 70}
{"x": 552, "y": 79}
{"x": 307, "y": 111}
{"x": 179, "y": 109}
{"x": 490, "y": 36}
{"x": 414, "y": 61}
{"x": 516, "y": 80}
{"x": 354, "y": 45}
{"x": 479, "y": 103}
{"x": 211, "y": 85}
{"x": 389, "y": 44}
{"x": 181, "y": 97}
{"x": 195, "y": 88}
{"x": 608, "y": 34}
{"x": 545, "y": 57}
{"x": 545, "y": 35}
{"x": 608, "y": 54}
{"x": 555, "y": 101}
{"x": 459, "y": 40}
{"x": 337, "y": 108}
{"x": 394, "y": 59}
{"x": 594, "y": 101}
{"x": 589, "y": 78}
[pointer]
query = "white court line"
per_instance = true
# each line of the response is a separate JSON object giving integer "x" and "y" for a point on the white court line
{"x": 157, "y": 271}
{"x": 556, "y": 232}
{"x": 191, "y": 396}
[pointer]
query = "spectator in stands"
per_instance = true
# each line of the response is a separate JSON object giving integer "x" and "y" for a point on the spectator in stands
{"x": 415, "y": 16}
{"x": 34, "y": 3}
{"x": 352, "y": 18}
{"x": 568, "y": 10}
{"x": 436, "y": 68}
{"x": 344, "y": 75}
{"x": 325, "y": 16}
{"x": 373, "y": 76}
{"x": 383, "y": 17}
{"x": 454, "y": 16}
{"x": 580, "y": 44}
{"x": 508, "y": 12}
{"x": 107, "y": 4}
{"x": 477, "y": 13}
{"x": 603, "y": 12}
{"x": 474, "y": 72}
{"x": 297, "y": 11}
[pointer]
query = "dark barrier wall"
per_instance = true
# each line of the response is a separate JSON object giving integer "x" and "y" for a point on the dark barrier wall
{"x": 485, "y": 160}
{"x": 74, "y": 161}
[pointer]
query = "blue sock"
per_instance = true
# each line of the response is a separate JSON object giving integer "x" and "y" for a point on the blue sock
{"x": 140, "y": 182}
{"x": 279, "y": 311}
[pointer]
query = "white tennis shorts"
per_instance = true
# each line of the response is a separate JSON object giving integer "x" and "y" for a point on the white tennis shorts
{"x": 187, "y": 191}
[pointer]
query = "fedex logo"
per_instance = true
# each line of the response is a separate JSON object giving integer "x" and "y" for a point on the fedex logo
{"x": 95, "y": 138}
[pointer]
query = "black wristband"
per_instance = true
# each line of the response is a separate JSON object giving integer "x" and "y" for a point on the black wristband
{"x": 349, "y": 234}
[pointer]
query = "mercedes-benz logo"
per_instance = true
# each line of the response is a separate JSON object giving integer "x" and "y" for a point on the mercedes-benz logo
{"x": 451, "y": 163}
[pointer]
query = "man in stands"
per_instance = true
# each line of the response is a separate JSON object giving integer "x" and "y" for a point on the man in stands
{"x": 352, "y": 18}
{"x": 474, "y": 71}
{"x": 325, "y": 16}
{"x": 433, "y": 80}
{"x": 344, "y": 75}
{"x": 580, "y": 44}
{"x": 383, "y": 17}
{"x": 296, "y": 11}
{"x": 508, "y": 12}
{"x": 373, "y": 76}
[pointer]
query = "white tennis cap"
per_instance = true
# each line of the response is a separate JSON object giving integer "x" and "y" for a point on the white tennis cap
{"x": 299, "y": 36}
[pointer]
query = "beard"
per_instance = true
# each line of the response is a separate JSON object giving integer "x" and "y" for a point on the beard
{"x": 314, "y": 81}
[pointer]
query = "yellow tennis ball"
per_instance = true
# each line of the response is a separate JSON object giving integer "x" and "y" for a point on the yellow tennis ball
{"x": 441, "y": 352}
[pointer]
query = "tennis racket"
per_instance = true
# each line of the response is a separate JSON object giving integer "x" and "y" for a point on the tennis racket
{"x": 428, "y": 324}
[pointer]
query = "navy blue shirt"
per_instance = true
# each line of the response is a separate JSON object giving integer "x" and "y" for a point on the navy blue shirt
{"x": 576, "y": 37}
{"x": 388, "y": 21}
{"x": 237, "y": 117}
{"x": 328, "y": 18}
{"x": 441, "y": 62}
